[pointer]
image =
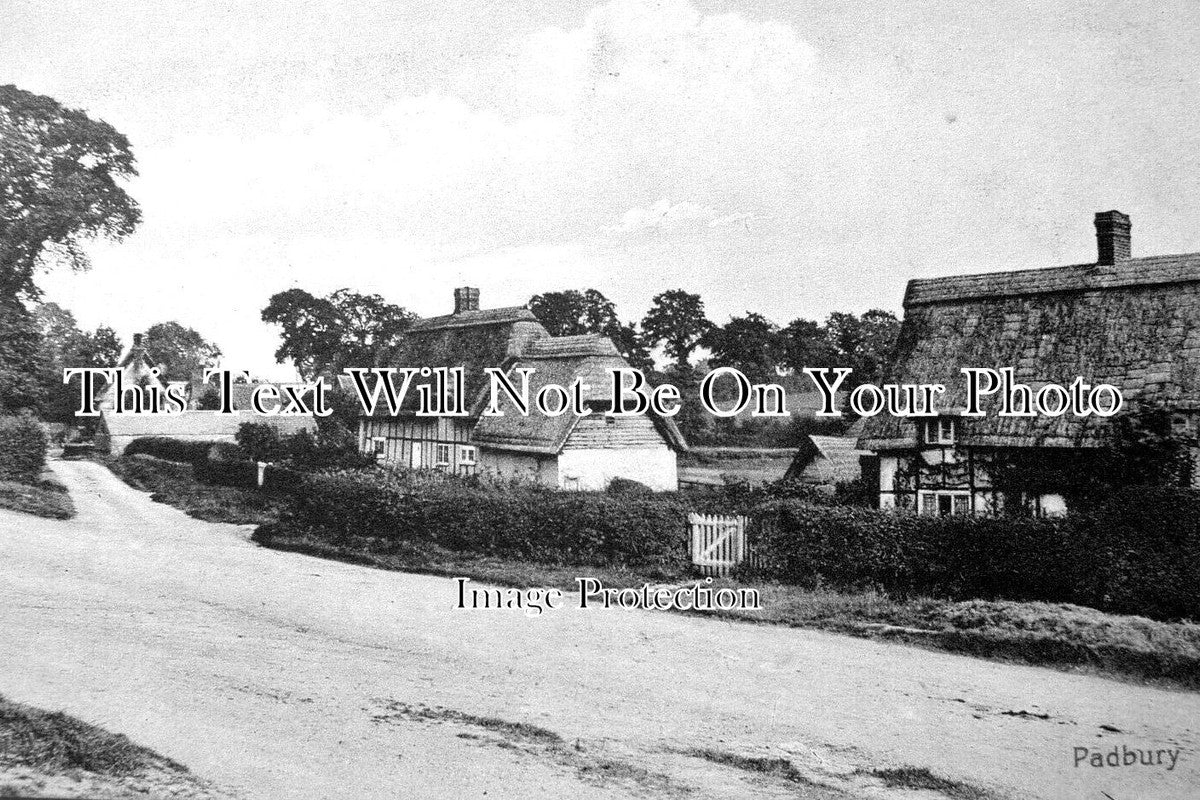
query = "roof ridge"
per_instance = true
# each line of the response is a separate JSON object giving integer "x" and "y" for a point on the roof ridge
{"x": 1128, "y": 273}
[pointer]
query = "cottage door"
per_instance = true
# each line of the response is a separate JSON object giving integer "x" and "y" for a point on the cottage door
{"x": 414, "y": 456}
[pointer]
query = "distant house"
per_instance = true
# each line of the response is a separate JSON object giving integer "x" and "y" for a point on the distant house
{"x": 1130, "y": 322}
{"x": 829, "y": 460}
{"x": 567, "y": 451}
{"x": 114, "y": 432}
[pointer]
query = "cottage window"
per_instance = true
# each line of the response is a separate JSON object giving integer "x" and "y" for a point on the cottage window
{"x": 466, "y": 456}
{"x": 443, "y": 455}
{"x": 945, "y": 503}
{"x": 942, "y": 430}
{"x": 379, "y": 447}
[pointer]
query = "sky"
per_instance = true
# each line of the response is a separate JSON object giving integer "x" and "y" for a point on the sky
{"x": 788, "y": 157}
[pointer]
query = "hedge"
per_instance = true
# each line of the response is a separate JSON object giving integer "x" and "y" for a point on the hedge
{"x": 170, "y": 449}
{"x": 582, "y": 528}
{"x": 1137, "y": 552}
{"x": 22, "y": 449}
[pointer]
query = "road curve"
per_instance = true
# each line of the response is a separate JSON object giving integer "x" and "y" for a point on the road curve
{"x": 279, "y": 675}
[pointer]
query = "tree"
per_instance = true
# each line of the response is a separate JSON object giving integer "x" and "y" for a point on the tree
{"x": 325, "y": 334}
{"x": 864, "y": 343}
{"x": 676, "y": 320}
{"x": 63, "y": 345}
{"x": 60, "y": 174}
{"x": 179, "y": 352}
{"x": 21, "y": 365}
{"x": 752, "y": 344}
{"x": 572, "y": 312}
{"x": 806, "y": 344}
{"x": 632, "y": 345}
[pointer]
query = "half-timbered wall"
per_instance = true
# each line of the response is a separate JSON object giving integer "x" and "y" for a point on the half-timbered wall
{"x": 420, "y": 442}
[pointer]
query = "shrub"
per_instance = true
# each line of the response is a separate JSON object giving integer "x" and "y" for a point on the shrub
{"x": 260, "y": 441}
{"x": 169, "y": 449}
{"x": 227, "y": 473}
{"x": 625, "y": 486}
{"x": 1138, "y": 553}
{"x": 22, "y": 449}
{"x": 585, "y": 528}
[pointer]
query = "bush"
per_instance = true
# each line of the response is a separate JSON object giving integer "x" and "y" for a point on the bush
{"x": 332, "y": 448}
{"x": 22, "y": 449}
{"x": 242, "y": 474}
{"x": 625, "y": 486}
{"x": 170, "y": 449}
{"x": 582, "y": 528}
{"x": 1136, "y": 553}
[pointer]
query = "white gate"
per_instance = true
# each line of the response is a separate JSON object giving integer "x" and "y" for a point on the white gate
{"x": 718, "y": 543}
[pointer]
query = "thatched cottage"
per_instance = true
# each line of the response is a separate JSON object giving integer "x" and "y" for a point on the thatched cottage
{"x": 1130, "y": 322}
{"x": 567, "y": 451}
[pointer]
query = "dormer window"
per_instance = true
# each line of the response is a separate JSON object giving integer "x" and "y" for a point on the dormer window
{"x": 939, "y": 431}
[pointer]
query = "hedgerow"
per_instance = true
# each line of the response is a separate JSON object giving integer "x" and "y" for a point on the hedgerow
{"x": 553, "y": 527}
{"x": 1130, "y": 554}
{"x": 169, "y": 449}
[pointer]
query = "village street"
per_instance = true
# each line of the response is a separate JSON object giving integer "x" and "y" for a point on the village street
{"x": 280, "y": 675}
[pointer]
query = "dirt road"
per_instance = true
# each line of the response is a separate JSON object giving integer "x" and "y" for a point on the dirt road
{"x": 280, "y": 675}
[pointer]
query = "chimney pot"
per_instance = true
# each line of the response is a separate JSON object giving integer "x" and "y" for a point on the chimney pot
{"x": 466, "y": 299}
{"x": 1112, "y": 238}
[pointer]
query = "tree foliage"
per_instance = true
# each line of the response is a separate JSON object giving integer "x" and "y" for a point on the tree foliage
{"x": 572, "y": 312}
{"x": 180, "y": 352}
{"x": 326, "y": 334}
{"x": 60, "y": 185}
{"x": 62, "y": 344}
{"x": 751, "y": 344}
{"x": 676, "y": 320}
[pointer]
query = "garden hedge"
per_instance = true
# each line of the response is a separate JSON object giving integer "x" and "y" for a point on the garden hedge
{"x": 22, "y": 449}
{"x": 1136, "y": 552}
{"x": 170, "y": 449}
{"x": 583, "y": 528}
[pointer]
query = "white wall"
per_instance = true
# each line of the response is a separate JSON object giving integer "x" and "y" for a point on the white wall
{"x": 501, "y": 465}
{"x": 593, "y": 469}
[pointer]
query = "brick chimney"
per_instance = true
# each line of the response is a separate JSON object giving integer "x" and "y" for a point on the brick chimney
{"x": 466, "y": 299}
{"x": 1112, "y": 238}
{"x": 137, "y": 340}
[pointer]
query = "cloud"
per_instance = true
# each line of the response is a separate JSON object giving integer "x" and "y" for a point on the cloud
{"x": 665, "y": 216}
{"x": 550, "y": 141}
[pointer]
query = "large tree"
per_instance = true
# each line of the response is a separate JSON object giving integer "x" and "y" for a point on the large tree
{"x": 573, "y": 312}
{"x": 60, "y": 185}
{"x": 326, "y": 334}
{"x": 63, "y": 345}
{"x": 806, "y": 344}
{"x": 676, "y": 321}
{"x": 752, "y": 344}
{"x": 180, "y": 352}
{"x": 864, "y": 343}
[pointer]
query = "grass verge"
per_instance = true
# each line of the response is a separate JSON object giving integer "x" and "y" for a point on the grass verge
{"x": 174, "y": 484}
{"x": 51, "y": 754}
{"x": 53, "y": 742}
{"x": 46, "y": 498}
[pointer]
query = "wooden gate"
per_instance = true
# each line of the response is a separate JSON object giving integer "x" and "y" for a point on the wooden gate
{"x": 718, "y": 543}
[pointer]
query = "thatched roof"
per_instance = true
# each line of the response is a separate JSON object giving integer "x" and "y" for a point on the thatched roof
{"x": 562, "y": 360}
{"x": 1134, "y": 324}
{"x": 473, "y": 340}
